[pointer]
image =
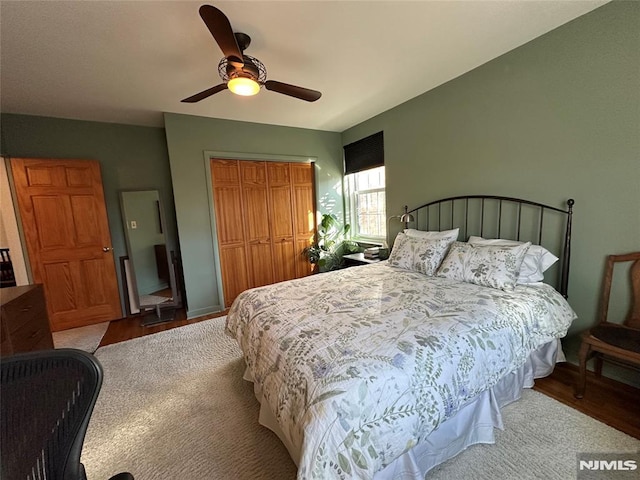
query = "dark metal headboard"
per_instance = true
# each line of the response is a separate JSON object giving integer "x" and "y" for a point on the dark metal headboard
{"x": 493, "y": 216}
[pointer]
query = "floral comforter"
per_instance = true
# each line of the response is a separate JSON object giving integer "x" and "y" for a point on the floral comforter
{"x": 361, "y": 364}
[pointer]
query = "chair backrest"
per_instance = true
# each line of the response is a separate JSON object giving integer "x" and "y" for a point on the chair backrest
{"x": 46, "y": 401}
{"x": 633, "y": 318}
{"x": 7, "y": 275}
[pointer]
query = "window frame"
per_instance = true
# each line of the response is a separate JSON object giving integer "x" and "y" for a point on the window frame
{"x": 351, "y": 208}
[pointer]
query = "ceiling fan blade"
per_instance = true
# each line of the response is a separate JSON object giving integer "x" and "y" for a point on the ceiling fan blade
{"x": 293, "y": 90}
{"x": 220, "y": 28}
{"x": 205, "y": 93}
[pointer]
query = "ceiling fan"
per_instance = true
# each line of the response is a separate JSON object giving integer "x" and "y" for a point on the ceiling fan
{"x": 242, "y": 74}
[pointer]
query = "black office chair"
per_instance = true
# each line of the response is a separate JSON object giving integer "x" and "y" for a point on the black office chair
{"x": 7, "y": 275}
{"x": 47, "y": 398}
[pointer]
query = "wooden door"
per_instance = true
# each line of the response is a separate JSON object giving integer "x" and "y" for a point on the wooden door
{"x": 284, "y": 266}
{"x": 303, "y": 193}
{"x": 227, "y": 197}
{"x": 256, "y": 220}
{"x": 264, "y": 221}
{"x": 64, "y": 219}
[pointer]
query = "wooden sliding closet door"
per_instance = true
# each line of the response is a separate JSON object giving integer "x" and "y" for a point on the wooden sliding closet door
{"x": 256, "y": 221}
{"x": 284, "y": 258}
{"x": 264, "y": 219}
{"x": 227, "y": 196}
{"x": 302, "y": 184}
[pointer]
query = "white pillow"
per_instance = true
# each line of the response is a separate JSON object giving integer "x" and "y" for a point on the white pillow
{"x": 536, "y": 261}
{"x": 494, "y": 266}
{"x": 448, "y": 234}
{"x": 423, "y": 255}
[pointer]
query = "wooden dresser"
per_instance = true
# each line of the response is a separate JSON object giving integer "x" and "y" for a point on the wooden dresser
{"x": 25, "y": 324}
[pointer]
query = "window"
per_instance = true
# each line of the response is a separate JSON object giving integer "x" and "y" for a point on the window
{"x": 364, "y": 187}
{"x": 367, "y": 204}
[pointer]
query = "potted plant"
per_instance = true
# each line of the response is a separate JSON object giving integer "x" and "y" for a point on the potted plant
{"x": 331, "y": 244}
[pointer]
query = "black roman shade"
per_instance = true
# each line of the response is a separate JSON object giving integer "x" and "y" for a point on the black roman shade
{"x": 364, "y": 154}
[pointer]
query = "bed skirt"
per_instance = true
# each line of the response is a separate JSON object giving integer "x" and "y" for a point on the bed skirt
{"x": 472, "y": 424}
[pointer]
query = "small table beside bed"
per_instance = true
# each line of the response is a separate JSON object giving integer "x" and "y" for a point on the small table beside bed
{"x": 386, "y": 370}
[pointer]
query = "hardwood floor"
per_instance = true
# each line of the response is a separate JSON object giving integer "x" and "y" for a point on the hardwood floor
{"x": 131, "y": 327}
{"x": 609, "y": 401}
{"x": 614, "y": 403}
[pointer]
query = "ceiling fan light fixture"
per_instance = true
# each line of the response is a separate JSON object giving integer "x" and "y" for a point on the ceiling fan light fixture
{"x": 243, "y": 86}
{"x": 241, "y": 73}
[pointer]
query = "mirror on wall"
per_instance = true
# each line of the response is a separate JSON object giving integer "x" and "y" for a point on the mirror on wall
{"x": 150, "y": 272}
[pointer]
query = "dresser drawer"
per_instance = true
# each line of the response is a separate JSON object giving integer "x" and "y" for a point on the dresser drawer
{"x": 24, "y": 322}
{"x": 32, "y": 335}
{"x": 24, "y": 309}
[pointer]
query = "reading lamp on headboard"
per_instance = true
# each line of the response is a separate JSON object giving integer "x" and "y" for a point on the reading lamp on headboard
{"x": 405, "y": 218}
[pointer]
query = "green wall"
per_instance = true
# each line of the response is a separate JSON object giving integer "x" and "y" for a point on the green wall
{"x": 190, "y": 139}
{"x": 130, "y": 157}
{"x": 557, "y": 118}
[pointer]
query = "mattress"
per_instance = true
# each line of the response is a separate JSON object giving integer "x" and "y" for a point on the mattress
{"x": 359, "y": 366}
{"x": 474, "y": 423}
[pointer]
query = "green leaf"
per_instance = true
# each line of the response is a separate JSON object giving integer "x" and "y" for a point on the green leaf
{"x": 349, "y": 439}
{"x": 372, "y": 452}
{"x": 326, "y": 395}
{"x": 344, "y": 463}
{"x": 362, "y": 391}
{"x": 359, "y": 458}
{"x": 365, "y": 439}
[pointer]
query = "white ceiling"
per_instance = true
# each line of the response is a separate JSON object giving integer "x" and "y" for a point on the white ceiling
{"x": 127, "y": 62}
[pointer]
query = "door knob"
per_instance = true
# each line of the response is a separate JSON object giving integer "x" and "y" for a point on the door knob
{"x": 106, "y": 249}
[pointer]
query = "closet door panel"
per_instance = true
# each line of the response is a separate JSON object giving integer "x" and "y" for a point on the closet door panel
{"x": 282, "y": 220}
{"x": 255, "y": 201}
{"x": 302, "y": 265}
{"x": 284, "y": 260}
{"x": 225, "y": 172}
{"x": 228, "y": 201}
{"x": 303, "y": 213}
{"x": 302, "y": 173}
{"x": 278, "y": 174}
{"x": 227, "y": 198}
{"x": 302, "y": 178}
{"x": 253, "y": 173}
{"x": 256, "y": 213}
{"x": 260, "y": 264}
{"x": 283, "y": 245}
{"x": 233, "y": 264}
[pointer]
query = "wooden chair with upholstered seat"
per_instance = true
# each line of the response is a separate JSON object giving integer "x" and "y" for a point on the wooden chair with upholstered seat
{"x": 618, "y": 343}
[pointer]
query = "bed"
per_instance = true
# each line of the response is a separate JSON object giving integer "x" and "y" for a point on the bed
{"x": 387, "y": 370}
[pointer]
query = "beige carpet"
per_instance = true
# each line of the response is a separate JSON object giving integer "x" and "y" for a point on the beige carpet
{"x": 83, "y": 338}
{"x": 174, "y": 406}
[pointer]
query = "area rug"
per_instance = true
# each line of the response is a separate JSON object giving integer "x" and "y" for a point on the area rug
{"x": 83, "y": 338}
{"x": 174, "y": 405}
